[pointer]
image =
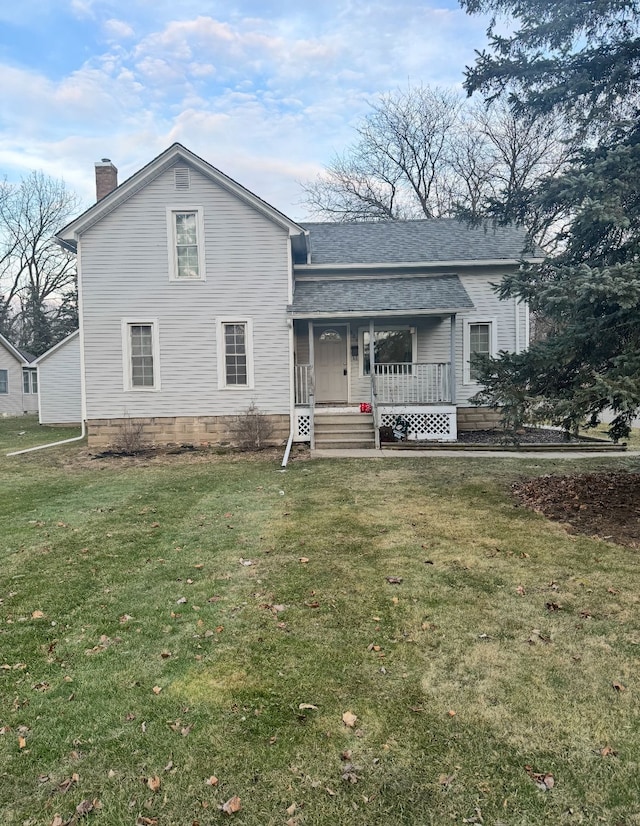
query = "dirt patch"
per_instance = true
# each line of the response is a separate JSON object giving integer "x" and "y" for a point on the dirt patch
{"x": 526, "y": 436}
{"x": 606, "y": 505}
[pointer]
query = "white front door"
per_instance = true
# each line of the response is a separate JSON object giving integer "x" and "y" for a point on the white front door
{"x": 330, "y": 357}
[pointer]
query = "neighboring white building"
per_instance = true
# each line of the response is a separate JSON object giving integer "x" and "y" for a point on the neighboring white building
{"x": 198, "y": 298}
{"x": 59, "y": 381}
{"x": 18, "y": 381}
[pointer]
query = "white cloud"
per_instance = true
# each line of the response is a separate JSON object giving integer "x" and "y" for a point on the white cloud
{"x": 118, "y": 29}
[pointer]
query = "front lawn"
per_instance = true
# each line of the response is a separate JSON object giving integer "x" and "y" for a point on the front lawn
{"x": 348, "y": 642}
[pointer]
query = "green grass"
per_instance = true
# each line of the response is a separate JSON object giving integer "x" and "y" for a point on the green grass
{"x": 106, "y": 549}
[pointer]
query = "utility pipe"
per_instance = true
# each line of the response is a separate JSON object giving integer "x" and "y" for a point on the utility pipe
{"x": 51, "y": 444}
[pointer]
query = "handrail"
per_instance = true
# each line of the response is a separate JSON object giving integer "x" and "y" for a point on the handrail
{"x": 374, "y": 410}
{"x": 312, "y": 405}
{"x": 413, "y": 382}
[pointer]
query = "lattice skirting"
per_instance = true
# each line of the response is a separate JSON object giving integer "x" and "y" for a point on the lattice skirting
{"x": 303, "y": 425}
{"x": 428, "y": 423}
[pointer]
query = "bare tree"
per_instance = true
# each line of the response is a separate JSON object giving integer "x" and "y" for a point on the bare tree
{"x": 37, "y": 277}
{"x": 426, "y": 152}
{"x": 393, "y": 170}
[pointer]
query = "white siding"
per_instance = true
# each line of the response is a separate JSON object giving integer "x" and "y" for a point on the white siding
{"x": 488, "y": 307}
{"x": 59, "y": 384}
{"x": 434, "y": 337}
{"x": 15, "y": 402}
{"x": 124, "y": 266}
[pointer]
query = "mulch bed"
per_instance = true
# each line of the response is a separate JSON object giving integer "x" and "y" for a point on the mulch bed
{"x": 606, "y": 505}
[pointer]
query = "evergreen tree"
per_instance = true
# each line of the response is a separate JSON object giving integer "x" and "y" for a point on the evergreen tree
{"x": 581, "y": 59}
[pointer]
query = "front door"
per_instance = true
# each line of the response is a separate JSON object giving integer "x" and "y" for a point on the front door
{"x": 330, "y": 357}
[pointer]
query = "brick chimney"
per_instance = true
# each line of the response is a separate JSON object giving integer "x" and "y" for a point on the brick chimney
{"x": 106, "y": 178}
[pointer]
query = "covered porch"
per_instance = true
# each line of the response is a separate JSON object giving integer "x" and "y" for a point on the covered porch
{"x": 386, "y": 341}
{"x": 341, "y": 365}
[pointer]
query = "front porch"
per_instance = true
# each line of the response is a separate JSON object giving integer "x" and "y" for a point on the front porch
{"x": 341, "y": 365}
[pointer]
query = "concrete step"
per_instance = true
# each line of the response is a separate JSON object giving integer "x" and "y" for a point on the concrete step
{"x": 342, "y": 428}
{"x": 344, "y": 444}
{"x": 340, "y": 418}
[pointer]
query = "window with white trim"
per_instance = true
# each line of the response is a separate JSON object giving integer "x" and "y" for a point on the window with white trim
{"x": 186, "y": 244}
{"x": 4, "y": 382}
{"x": 235, "y": 354}
{"x": 479, "y": 340}
{"x": 29, "y": 380}
{"x": 392, "y": 346}
{"x": 141, "y": 355}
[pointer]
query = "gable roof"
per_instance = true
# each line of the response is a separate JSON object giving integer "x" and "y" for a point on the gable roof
{"x": 415, "y": 295}
{"x": 436, "y": 240}
{"x": 56, "y": 347}
{"x": 68, "y": 235}
{"x": 20, "y": 355}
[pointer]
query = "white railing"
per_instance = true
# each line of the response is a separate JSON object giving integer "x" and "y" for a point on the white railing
{"x": 413, "y": 383}
{"x": 302, "y": 383}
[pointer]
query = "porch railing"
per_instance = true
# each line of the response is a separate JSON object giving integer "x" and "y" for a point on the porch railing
{"x": 302, "y": 384}
{"x": 415, "y": 383}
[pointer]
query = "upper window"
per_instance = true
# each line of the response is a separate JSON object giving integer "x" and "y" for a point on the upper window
{"x": 392, "y": 347}
{"x": 186, "y": 244}
{"x": 141, "y": 356}
{"x": 478, "y": 342}
{"x": 235, "y": 349}
{"x": 29, "y": 380}
{"x": 4, "y": 381}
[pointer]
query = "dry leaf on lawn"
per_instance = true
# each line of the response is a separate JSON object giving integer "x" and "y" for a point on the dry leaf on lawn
{"x": 156, "y": 689}
{"x": 154, "y": 783}
{"x": 37, "y": 615}
{"x": 349, "y": 719}
{"x": 21, "y": 742}
{"x": 394, "y": 580}
{"x": 85, "y": 807}
{"x": 309, "y": 706}
{"x": 212, "y": 781}
{"x": 292, "y": 809}
{"x": 303, "y": 559}
{"x": 618, "y": 687}
{"x": 232, "y": 805}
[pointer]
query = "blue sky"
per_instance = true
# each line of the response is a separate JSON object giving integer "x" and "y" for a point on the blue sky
{"x": 266, "y": 91}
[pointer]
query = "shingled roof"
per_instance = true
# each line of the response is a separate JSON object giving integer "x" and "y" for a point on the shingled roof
{"x": 428, "y": 294}
{"x": 388, "y": 242}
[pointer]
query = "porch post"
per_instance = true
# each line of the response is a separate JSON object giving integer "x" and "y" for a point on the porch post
{"x": 452, "y": 358}
{"x": 312, "y": 388}
{"x": 374, "y": 390}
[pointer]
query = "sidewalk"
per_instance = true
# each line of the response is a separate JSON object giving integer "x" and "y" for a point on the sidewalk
{"x": 355, "y": 453}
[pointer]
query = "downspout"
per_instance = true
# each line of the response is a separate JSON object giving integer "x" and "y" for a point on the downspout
{"x": 285, "y": 458}
{"x": 51, "y": 444}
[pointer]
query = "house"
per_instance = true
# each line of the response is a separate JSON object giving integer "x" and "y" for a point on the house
{"x": 198, "y": 298}
{"x": 18, "y": 381}
{"x": 60, "y": 396}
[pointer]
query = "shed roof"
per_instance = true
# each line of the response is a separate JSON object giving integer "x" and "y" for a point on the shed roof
{"x": 363, "y": 296}
{"x": 429, "y": 240}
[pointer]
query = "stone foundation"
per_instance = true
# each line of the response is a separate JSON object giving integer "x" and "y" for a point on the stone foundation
{"x": 130, "y": 433}
{"x": 478, "y": 418}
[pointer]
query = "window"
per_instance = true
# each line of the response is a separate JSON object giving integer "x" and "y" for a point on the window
{"x": 186, "y": 244}
{"x": 391, "y": 346}
{"x": 478, "y": 341}
{"x": 4, "y": 381}
{"x": 235, "y": 354}
{"x": 29, "y": 380}
{"x": 141, "y": 356}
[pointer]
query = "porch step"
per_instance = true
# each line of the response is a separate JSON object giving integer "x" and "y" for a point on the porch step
{"x": 344, "y": 430}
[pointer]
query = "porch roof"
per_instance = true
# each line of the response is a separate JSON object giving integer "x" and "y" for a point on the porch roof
{"x": 428, "y": 295}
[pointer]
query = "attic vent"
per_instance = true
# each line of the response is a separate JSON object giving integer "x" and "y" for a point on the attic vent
{"x": 182, "y": 177}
